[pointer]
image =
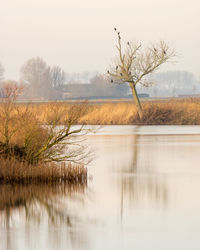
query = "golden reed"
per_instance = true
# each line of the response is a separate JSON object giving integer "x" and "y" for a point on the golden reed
{"x": 156, "y": 112}
{"x": 14, "y": 171}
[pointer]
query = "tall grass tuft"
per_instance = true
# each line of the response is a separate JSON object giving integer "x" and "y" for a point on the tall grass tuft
{"x": 13, "y": 171}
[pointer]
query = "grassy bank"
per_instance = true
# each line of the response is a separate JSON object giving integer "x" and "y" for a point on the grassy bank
{"x": 33, "y": 153}
{"x": 157, "y": 112}
{"x": 168, "y": 112}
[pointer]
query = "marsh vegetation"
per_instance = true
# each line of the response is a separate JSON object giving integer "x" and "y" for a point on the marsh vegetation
{"x": 31, "y": 149}
{"x": 174, "y": 111}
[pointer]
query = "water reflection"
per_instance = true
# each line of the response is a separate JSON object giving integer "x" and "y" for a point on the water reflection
{"x": 139, "y": 186}
{"x": 31, "y": 206}
{"x": 143, "y": 195}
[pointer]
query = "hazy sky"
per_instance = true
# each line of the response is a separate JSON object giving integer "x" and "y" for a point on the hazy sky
{"x": 78, "y": 35}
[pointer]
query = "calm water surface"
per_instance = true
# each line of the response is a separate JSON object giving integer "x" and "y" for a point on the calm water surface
{"x": 144, "y": 193}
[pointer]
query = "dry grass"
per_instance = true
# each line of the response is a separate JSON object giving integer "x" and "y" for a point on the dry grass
{"x": 168, "y": 112}
{"x": 26, "y": 145}
{"x": 158, "y": 112}
{"x": 110, "y": 114}
{"x": 24, "y": 136}
{"x": 172, "y": 111}
{"x": 13, "y": 171}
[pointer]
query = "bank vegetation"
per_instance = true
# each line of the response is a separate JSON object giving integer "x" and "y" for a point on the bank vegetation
{"x": 39, "y": 150}
{"x": 174, "y": 111}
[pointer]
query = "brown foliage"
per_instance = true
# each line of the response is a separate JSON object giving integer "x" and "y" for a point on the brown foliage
{"x": 156, "y": 112}
{"x": 159, "y": 112}
{"x": 29, "y": 145}
{"x": 14, "y": 171}
{"x": 31, "y": 138}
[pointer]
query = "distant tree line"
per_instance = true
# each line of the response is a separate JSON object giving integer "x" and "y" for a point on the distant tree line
{"x": 1, "y": 72}
{"x": 173, "y": 84}
{"x": 43, "y": 82}
{"x": 40, "y": 80}
{"x": 99, "y": 86}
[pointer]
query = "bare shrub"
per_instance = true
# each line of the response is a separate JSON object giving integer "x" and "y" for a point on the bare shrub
{"x": 25, "y": 137}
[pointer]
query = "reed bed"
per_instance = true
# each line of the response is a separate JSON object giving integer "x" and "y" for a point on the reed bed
{"x": 13, "y": 171}
{"x": 156, "y": 112}
{"x": 165, "y": 112}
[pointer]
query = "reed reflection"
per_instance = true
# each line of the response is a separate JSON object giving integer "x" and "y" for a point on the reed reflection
{"x": 33, "y": 206}
{"x": 139, "y": 182}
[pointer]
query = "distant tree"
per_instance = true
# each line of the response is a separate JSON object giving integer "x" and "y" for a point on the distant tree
{"x": 101, "y": 86}
{"x": 181, "y": 82}
{"x": 1, "y": 72}
{"x": 133, "y": 64}
{"x": 36, "y": 74}
{"x": 57, "y": 77}
{"x": 42, "y": 80}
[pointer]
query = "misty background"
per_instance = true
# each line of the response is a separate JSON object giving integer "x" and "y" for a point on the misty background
{"x": 43, "y": 82}
{"x": 78, "y": 37}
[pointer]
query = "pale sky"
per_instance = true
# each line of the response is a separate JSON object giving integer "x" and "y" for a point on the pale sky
{"x": 78, "y": 35}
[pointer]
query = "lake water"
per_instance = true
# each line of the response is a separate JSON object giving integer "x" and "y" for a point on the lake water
{"x": 143, "y": 193}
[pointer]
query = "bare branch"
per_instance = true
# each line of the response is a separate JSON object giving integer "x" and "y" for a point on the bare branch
{"x": 133, "y": 63}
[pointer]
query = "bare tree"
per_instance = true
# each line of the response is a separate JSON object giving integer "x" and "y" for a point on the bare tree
{"x": 1, "y": 72}
{"x": 57, "y": 77}
{"x": 42, "y": 80}
{"x": 36, "y": 74}
{"x": 134, "y": 64}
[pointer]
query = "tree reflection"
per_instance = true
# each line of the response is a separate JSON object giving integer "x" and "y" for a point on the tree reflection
{"x": 55, "y": 206}
{"x": 138, "y": 181}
